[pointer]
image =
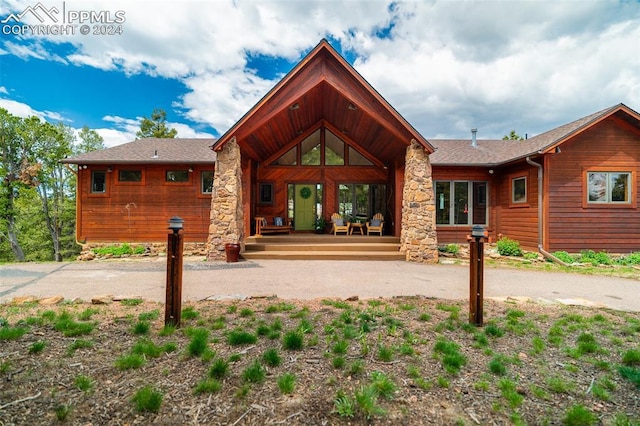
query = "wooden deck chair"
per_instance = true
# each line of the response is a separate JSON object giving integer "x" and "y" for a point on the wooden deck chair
{"x": 376, "y": 224}
{"x": 339, "y": 224}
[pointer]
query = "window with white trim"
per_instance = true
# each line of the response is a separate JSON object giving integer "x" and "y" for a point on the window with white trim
{"x": 206, "y": 182}
{"x": 609, "y": 187}
{"x": 461, "y": 202}
{"x": 519, "y": 190}
{"x": 98, "y": 181}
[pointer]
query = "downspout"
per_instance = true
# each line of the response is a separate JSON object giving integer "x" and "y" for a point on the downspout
{"x": 541, "y": 213}
{"x": 75, "y": 172}
{"x": 540, "y": 209}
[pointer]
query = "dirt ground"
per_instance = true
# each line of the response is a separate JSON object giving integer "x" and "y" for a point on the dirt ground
{"x": 408, "y": 360}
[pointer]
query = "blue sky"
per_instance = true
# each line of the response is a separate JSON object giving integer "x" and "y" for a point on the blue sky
{"x": 447, "y": 66}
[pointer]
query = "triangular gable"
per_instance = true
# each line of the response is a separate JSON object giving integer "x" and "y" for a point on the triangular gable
{"x": 549, "y": 141}
{"x": 322, "y": 73}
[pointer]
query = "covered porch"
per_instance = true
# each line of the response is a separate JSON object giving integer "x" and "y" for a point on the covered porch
{"x": 321, "y": 142}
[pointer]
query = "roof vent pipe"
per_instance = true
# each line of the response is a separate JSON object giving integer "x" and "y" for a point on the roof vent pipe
{"x": 474, "y": 132}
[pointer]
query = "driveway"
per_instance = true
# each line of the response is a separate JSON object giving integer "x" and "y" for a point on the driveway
{"x": 298, "y": 279}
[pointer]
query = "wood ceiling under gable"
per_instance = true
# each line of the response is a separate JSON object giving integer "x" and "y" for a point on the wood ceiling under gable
{"x": 323, "y": 87}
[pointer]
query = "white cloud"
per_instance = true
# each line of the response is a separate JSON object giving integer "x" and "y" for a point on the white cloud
{"x": 446, "y": 66}
{"x": 21, "y": 109}
{"x": 124, "y": 130}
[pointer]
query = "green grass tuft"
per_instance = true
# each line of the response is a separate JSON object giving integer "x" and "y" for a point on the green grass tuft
{"x": 578, "y": 415}
{"x": 147, "y": 399}
{"x": 209, "y": 385}
{"x": 286, "y": 383}
{"x": 219, "y": 368}
{"x": 293, "y": 340}
{"x": 37, "y": 347}
{"x": 271, "y": 357}
{"x": 254, "y": 373}
{"x": 128, "y": 362}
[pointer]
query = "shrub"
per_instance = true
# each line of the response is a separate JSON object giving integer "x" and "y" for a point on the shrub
{"x": 600, "y": 258}
{"x": 564, "y": 256}
{"x": 454, "y": 249}
{"x": 508, "y": 247}
{"x": 631, "y": 259}
{"x": 115, "y": 250}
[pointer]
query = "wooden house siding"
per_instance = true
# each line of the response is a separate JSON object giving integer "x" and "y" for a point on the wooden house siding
{"x": 139, "y": 212}
{"x": 517, "y": 221}
{"x": 574, "y": 225}
{"x": 458, "y": 233}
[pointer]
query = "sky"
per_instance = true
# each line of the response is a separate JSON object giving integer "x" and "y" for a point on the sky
{"x": 446, "y": 65}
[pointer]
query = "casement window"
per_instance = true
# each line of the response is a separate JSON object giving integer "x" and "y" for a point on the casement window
{"x": 609, "y": 187}
{"x": 98, "y": 181}
{"x": 176, "y": 176}
{"x": 129, "y": 175}
{"x": 461, "y": 202}
{"x": 206, "y": 182}
{"x": 519, "y": 190}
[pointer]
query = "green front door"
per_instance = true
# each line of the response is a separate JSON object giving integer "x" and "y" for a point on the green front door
{"x": 304, "y": 211}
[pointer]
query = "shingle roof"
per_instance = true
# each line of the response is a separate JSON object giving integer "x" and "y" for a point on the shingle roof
{"x": 496, "y": 152}
{"x": 152, "y": 151}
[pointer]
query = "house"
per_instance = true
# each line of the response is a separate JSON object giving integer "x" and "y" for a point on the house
{"x": 323, "y": 140}
{"x": 571, "y": 188}
{"x": 128, "y": 192}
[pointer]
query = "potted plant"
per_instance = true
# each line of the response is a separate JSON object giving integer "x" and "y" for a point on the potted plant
{"x": 320, "y": 225}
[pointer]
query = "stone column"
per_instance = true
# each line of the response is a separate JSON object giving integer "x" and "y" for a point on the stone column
{"x": 227, "y": 217}
{"x": 418, "y": 234}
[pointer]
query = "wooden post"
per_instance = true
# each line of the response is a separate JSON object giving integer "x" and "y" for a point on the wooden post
{"x": 476, "y": 274}
{"x": 173, "y": 303}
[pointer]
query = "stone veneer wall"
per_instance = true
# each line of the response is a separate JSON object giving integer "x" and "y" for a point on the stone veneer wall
{"x": 418, "y": 235}
{"x": 150, "y": 250}
{"x": 227, "y": 216}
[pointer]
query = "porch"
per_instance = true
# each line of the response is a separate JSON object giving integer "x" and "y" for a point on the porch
{"x": 308, "y": 246}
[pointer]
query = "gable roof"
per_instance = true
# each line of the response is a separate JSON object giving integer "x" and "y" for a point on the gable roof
{"x": 151, "y": 151}
{"x": 497, "y": 152}
{"x": 323, "y": 89}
